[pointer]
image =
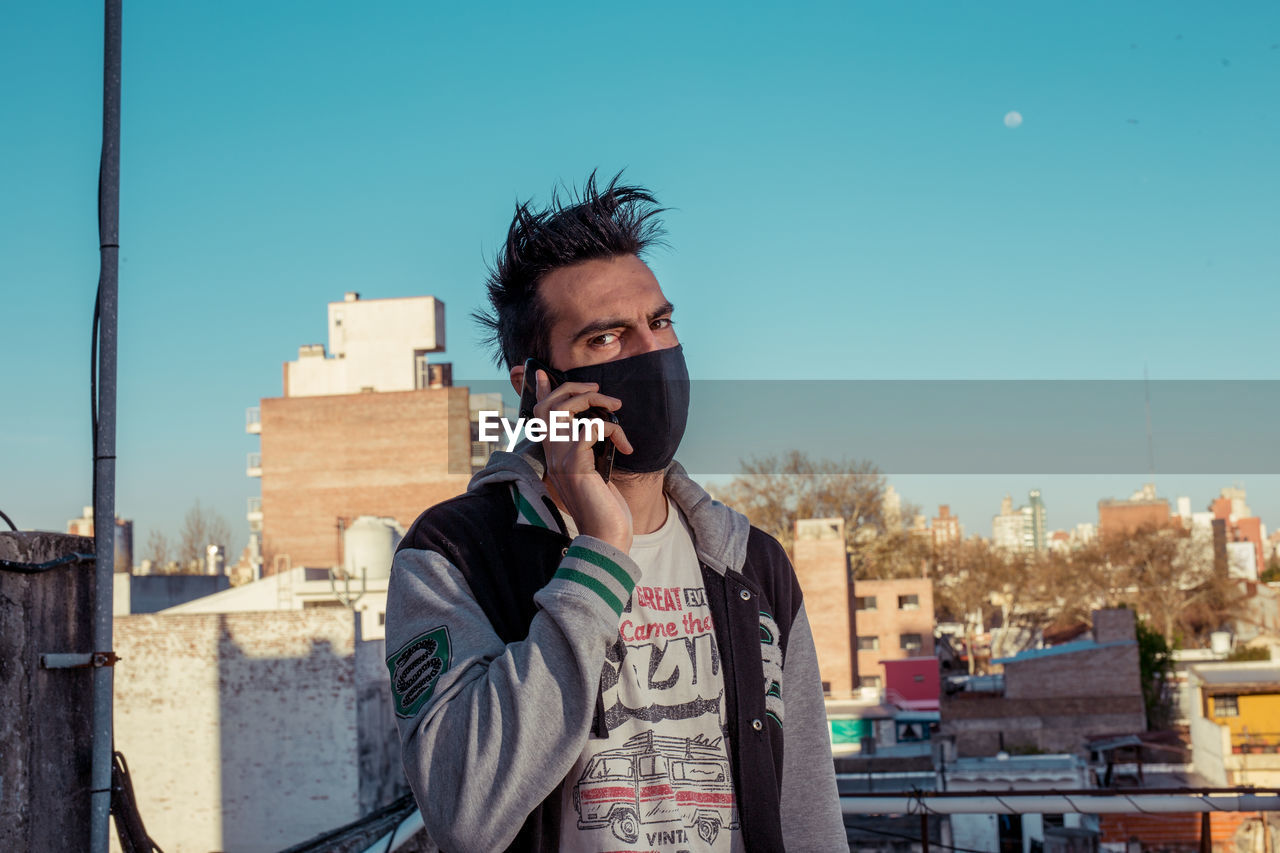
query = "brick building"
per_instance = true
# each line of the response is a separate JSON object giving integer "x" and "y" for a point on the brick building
{"x": 1057, "y": 698}
{"x": 822, "y": 567}
{"x": 946, "y": 528}
{"x": 370, "y": 428}
{"x": 893, "y": 619}
{"x": 856, "y": 628}
{"x": 1143, "y": 509}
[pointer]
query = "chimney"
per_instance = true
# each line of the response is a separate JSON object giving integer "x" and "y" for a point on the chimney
{"x": 1113, "y": 625}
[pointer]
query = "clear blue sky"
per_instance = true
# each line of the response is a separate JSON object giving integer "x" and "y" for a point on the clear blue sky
{"x": 849, "y": 203}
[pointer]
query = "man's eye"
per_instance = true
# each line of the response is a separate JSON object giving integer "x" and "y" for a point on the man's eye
{"x": 663, "y": 323}
{"x": 603, "y": 340}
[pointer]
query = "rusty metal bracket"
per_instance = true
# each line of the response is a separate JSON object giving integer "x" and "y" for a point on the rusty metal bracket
{"x": 77, "y": 660}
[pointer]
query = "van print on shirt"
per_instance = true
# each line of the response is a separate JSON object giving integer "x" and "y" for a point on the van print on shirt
{"x": 666, "y": 789}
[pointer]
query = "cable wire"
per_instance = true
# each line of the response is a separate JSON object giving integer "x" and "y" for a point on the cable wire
{"x": 9, "y": 521}
{"x": 124, "y": 808}
{"x": 915, "y": 838}
{"x": 36, "y": 568}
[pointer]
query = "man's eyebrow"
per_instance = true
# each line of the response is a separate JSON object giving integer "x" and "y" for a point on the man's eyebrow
{"x": 607, "y": 323}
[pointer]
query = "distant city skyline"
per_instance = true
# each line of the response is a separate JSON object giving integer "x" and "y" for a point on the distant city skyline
{"x": 857, "y": 193}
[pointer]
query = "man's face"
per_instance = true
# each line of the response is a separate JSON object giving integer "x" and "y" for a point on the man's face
{"x": 603, "y": 310}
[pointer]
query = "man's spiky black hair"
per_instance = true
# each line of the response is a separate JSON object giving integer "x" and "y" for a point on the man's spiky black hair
{"x": 598, "y": 223}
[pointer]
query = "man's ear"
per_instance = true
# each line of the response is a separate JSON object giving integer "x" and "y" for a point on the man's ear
{"x": 517, "y": 378}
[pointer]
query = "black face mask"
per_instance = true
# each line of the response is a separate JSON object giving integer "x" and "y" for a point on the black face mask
{"x": 654, "y": 390}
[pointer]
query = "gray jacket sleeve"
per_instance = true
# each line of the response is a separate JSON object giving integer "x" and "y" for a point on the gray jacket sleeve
{"x": 811, "y": 818}
{"x": 489, "y": 730}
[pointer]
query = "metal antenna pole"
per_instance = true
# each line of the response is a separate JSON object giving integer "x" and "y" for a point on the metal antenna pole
{"x": 104, "y": 461}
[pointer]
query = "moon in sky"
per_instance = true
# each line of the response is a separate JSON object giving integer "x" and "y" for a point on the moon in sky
{"x": 1012, "y": 119}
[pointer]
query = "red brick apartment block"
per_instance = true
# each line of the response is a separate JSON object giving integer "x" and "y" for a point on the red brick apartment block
{"x": 1250, "y": 530}
{"x": 332, "y": 457}
{"x": 821, "y": 565}
{"x": 893, "y": 619}
{"x": 1116, "y": 518}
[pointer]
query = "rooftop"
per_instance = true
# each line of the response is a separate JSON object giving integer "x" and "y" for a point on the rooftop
{"x": 1232, "y": 673}
{"x": 1063, "y": 649}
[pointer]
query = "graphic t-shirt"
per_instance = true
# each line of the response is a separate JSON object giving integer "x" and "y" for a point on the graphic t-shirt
{"x": 661, "y": 780}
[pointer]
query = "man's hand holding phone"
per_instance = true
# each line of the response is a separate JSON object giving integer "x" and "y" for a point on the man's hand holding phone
{"x": 597, "y": 507}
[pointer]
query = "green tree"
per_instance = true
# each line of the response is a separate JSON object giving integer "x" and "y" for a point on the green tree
{"x": 1155, "y": 670}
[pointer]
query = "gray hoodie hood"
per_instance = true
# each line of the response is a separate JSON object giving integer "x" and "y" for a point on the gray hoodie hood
{"x": 719, "y": 533}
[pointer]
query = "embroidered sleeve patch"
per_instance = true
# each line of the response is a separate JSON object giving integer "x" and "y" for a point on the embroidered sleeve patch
{"x": 771, "y": 655}
{"x": 416, "y": 668}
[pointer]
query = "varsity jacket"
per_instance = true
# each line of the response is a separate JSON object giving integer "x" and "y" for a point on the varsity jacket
{"x": 497, "y": 629}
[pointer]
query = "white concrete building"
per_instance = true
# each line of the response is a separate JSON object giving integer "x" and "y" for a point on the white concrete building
{"x": 1242, "y": 561}
{"x": 1237, "y": 496}
{"x": 374, "y": 345}
{"x": 1007, "y": 528}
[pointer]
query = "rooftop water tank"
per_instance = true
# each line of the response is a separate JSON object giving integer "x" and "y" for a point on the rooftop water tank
{"x": 368, "y": 545}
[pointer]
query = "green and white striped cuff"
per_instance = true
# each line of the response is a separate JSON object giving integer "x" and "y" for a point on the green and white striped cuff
{"x": 586, "y": 566}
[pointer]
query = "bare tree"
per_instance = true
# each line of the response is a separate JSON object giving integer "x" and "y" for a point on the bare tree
{"x": 774, "y": 492}
{"x": 158, "y": 550}
{"x": 1170, "y": 580}
{"x": 201, "y": 528}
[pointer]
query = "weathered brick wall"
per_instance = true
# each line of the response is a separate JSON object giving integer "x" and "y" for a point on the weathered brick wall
{"x": 981, "y": 726}
{"x": 1111, "y": 671}
{"x": 241, "y": 730}
{"x": 820, "y": 565}
{"x": 1181, "y": 832}
{"x": 386, "y": 454}
{"x": 1114, "y": 625}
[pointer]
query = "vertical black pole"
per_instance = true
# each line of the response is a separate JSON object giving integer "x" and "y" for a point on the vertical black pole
{"x": 924, "y": 833}
{"x": 104, "y": 510}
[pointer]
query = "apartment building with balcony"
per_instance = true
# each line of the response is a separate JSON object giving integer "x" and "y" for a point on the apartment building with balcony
{"x": 369, "y": 426}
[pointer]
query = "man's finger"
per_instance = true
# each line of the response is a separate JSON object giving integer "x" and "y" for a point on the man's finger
{"x": 613, "y": 432}
{"x": 576, "y": 404}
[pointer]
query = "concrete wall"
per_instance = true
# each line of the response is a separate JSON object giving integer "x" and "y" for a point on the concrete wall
{"x": 244, "y": 731}
{"x": 975, "y": 832}
{"x": 331, "y": 457}
{"x": 821, "y": 568}
{"x": 151, "y": 593}
{"x": 46, "y": 734}
{"x": 1210, "y": 746}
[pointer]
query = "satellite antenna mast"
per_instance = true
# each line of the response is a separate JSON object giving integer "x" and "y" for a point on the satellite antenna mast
{"x": 1151, "y": 451}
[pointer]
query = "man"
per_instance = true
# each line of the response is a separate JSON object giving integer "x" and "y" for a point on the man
{"x": 587, "y": 665}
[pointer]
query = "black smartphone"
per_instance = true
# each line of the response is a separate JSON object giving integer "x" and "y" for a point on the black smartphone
{"x": 603, "y": 450}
